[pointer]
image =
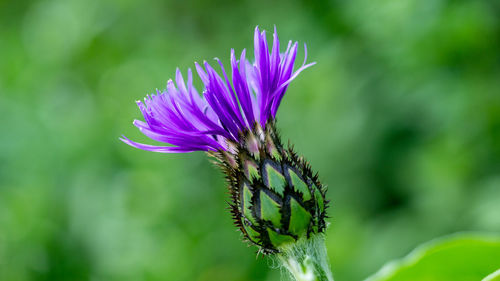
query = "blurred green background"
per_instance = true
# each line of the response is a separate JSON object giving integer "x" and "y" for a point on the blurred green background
{"x": 401, "y": 117}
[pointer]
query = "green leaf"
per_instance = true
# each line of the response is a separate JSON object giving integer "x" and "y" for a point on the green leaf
{"x": 495, "y": 276}
{"x": 462, "y": 256}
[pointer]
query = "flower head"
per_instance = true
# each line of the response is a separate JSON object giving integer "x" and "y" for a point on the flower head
{"x": 179, "y": 116}
{"x": 276, "y": 199}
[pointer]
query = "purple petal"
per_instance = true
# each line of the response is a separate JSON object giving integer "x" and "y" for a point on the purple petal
{"x": 189, "y": 122}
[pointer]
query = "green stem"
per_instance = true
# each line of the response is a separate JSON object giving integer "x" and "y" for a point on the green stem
{"x": 306, "y": 260}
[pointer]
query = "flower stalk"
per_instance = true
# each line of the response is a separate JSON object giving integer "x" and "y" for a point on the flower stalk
{"x": 306, "y": 260}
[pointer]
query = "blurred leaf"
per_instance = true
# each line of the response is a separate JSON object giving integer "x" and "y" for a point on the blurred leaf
{"x": 495, "y": 276}
{"x": 462, "y": 256}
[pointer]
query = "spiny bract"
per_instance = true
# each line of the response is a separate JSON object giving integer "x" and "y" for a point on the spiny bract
{"x": 276, "y": 199}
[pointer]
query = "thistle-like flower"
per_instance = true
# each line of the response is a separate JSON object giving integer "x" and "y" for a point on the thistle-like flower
{"x": 276, "y": 198}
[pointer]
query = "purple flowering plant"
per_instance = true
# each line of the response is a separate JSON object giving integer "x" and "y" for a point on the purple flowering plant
{"x": 277, "y": 201}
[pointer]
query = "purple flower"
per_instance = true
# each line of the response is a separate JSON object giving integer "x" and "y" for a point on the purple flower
{"x": 179, "y": 116}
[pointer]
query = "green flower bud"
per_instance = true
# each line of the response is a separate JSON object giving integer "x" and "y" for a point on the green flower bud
{"x": 276, "y": 199}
